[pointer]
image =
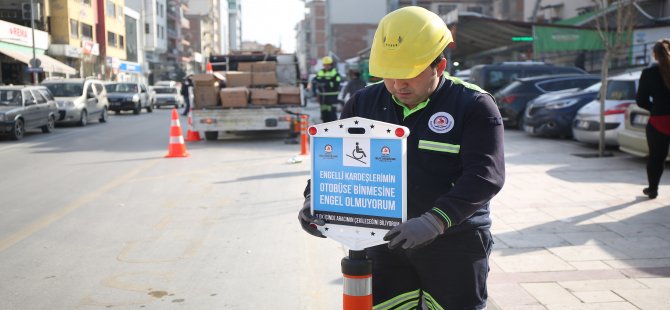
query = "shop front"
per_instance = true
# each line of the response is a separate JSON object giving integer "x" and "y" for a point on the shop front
{"x": 17, "y": 50}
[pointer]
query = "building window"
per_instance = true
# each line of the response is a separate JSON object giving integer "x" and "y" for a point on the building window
{"x": 74, "y": 28}
{"x": 111, "y": 39}
{"x": 147, "y": 28}
{"x": 158, "y": 30}
{"x": 110, "y": 8}
{"x": 86, "y": 2}
{"x": 119, "y": 11}
{"x": 86, "y": 31}
{"x": 121, "y": 41}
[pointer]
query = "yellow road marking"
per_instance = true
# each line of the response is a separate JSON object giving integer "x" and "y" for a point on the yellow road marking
{"x": 59, "y": 214}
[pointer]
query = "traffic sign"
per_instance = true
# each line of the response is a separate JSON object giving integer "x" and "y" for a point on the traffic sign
{"x": 38, "y": 70}
{"x": 35, "y": 62}
{"x": 358, "y": 179}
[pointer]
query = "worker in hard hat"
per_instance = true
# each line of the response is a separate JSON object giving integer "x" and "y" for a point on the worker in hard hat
{"x": 327, "y": 86}
{"x": 439, "y": 257}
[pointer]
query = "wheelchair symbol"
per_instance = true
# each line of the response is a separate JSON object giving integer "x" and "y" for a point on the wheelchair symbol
{"x": 358, "y": 153}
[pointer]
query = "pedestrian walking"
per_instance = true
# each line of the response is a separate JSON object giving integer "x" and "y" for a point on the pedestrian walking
{"x": 439, "y": 257}
{"x": 354, "y": 84}
{"x": 185, "y": 85}
{"x": 653, "y": 94}
{"x": 326, "y": 84}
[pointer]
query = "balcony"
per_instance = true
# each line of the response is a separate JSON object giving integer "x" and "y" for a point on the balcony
{"x": 172, "y": 34}
{"x": 185, "y": 23}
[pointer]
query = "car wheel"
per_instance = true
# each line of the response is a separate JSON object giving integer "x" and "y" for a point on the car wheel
{"x": 150, "y": 108}
{"x": 50, "y": 126}
{"x": 520, "y": 122}
{"x": 138, "y": 108}
{"x": 117, "y": 112}
{"x": 18, "y": 130}
{"x": 104, "y": 116}
{"x": 84, "y": 118}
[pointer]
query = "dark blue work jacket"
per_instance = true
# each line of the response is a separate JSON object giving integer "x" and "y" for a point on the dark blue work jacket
{"x": 455, "y": 157}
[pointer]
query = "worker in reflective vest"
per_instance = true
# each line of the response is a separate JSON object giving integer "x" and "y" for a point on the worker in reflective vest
{"x": 327, "y": 87}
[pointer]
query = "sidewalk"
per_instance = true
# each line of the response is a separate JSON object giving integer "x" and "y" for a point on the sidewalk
{"x": 577, "y": 233}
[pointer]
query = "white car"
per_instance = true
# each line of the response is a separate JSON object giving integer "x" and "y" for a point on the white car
{"x": 79, "y": 100}
{"x": 621, "y": 90}
{"x": 168, "y": 96}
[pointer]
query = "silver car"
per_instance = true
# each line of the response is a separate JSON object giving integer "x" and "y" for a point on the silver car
{"x": 633, "y": 138}
{"x": 129, "y": 96}
{"x": 621, "y": 90}
{"x": 26, "y": 107}
{"x": 79, "y": 100}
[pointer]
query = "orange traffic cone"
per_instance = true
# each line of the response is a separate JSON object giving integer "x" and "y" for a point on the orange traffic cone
{"x": 304, "y": 139}
{"x": 176, "y": 148}
{"x": 191, "y": 135}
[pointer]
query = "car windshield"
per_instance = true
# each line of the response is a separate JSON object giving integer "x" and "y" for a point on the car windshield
{"x": 10, "y": 97}
{"x": 65, "y": 89}
{"x": 594, "y": 87}
{"x": 510, "y": 87}
{"x": 621, "y": 90}
{"x": 165, "y": 90}
{"x": 121, "y": 88}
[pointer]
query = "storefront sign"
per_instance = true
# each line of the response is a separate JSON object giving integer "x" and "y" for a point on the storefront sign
{"x": 130, "y": 67}
{"x": 21, "y": 35}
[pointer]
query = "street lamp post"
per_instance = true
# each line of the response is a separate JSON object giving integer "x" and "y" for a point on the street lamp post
{"x": 34, "y": 63}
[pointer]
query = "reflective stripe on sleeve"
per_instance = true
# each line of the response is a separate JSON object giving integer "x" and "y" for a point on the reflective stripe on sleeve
{"x": 444, "y": 216}
{"x": 439, "y": 146}
{"x": 430, "y": 302}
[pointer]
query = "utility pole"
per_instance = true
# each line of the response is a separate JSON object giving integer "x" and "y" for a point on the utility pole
{"x": 34, "y": 62}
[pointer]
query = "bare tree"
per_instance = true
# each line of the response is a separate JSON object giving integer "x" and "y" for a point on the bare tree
{"x": 615, "y": 27}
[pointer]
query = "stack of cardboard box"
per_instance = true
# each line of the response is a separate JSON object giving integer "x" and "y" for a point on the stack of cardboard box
{"x": 206, "y": 90}
{"x": 256, "y": 81}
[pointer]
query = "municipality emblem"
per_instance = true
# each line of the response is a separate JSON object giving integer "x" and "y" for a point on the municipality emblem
{"x": 441, "y": 122}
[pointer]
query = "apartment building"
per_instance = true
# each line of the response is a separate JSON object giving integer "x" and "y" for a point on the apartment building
{"x": 311, "y": 42}
{"x": 205, "y": 28}
{"x": 111, "y": 35}
{"x": 235, "y": 24}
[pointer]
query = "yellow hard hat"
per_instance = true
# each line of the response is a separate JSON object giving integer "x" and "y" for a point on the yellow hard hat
{"x": 406, "y": 42}
{"x": 327, "y": 60}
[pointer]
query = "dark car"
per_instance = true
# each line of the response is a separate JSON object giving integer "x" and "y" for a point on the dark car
{"x": 128, "y": 96}
{"x": 553, "y": 116}
{"x": 493, "y": 77}
{"x": 26, "y": 107}
{"x": 513, "y": 98}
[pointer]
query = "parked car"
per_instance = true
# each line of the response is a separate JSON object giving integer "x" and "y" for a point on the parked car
{"x": 632, "y": 138}
{"x": 512, "y": 99}
{"x": 167, "y": 83}
{"x": 464, "y": 75}
{"x": 168, "y": 96}
{"x": 621, "y": 90}
{"x": 552, "y": 114}
{"x": 26, "y": 107}
{"x": 129, "y": 96}
{"x": 79, "y": 100}
{"x": 493, "y": 77}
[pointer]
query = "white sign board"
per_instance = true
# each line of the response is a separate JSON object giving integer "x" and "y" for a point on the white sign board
{"x": 359, "y": 174}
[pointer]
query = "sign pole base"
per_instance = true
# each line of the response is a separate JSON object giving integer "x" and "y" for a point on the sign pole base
{"x": 357, "y": 273}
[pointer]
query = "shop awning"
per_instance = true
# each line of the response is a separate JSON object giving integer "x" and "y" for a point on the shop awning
{"x": 48, "y": 64}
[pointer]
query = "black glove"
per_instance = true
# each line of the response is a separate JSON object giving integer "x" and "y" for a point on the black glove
{"x": 415, "y": 233}
{"x": 307, "y": 221}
